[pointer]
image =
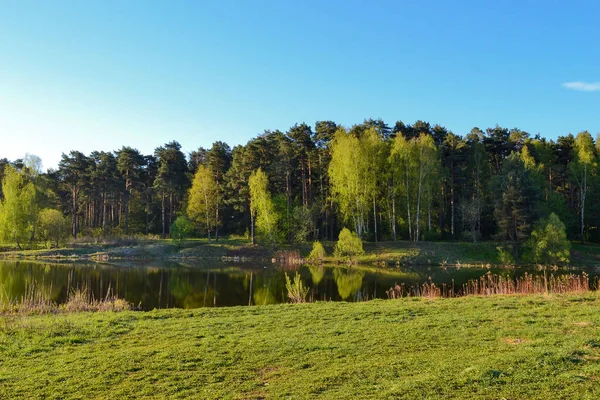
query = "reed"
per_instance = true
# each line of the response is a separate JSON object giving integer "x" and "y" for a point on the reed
{"x": 37, "y": 299}
{"x": 494, "y": 284}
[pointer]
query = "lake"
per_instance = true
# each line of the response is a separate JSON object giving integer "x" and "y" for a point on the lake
{"x": 167, "y": 285}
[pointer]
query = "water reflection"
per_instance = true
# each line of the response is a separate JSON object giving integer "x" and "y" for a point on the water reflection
{"x": 348, "y": 282}
{"x": 192, "y": 286}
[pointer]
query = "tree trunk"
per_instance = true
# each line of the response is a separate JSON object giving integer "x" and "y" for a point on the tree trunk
{"x": 104, "y": 213}
{"x": 288, "y": 193}
{"x": 583, "y": 194}
{"x": 394, "y": 211}
{"x": 252, "y": 227}
{"x": 418, "y": 211}
{"x": 452, "y": 204}
{"x": 126, "y": 212}
{"x": 74, "y": 219}
{"x": 375, "y": 218}
{"x": 217, "y": 224}
{"x": 163, "y": 216}
{"x": 170, "y": 212}
{"x": 410, "y": 234}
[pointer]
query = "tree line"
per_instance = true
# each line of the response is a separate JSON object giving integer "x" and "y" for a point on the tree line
{"x": 412, "y": 182}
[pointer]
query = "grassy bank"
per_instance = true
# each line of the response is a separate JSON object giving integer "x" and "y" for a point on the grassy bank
{"x": 497, "y": 347}
{"x": 382, "y": 253}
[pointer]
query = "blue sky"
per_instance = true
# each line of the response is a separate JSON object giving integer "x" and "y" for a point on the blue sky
{"x": 96, "y": 75}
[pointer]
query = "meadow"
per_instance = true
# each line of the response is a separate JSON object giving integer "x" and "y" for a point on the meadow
{"x": 494, "y": 347}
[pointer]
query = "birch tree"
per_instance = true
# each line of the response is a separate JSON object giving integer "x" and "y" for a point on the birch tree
{"x": 583, "y": 165}
{"x": 203, "y": 199}
{"x": 18, "y": 208}
{"x": 348, "y": 175}
{"x": 262, "y": 208}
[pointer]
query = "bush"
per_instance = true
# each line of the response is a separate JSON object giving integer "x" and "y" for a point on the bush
{"x": 318, "y": 252}
{"x": 296, "y": 290}
{"x": 432, "y": 236}
{"x": 348, "y": 244}
{"x": 505, "y": 256}
{"x": 181, "y": 230}
{"x": 548, "y": 243}
{"x": 54, "y": 227}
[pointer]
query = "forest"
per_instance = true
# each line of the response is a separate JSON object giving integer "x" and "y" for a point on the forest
{"x": 407, "y": 182}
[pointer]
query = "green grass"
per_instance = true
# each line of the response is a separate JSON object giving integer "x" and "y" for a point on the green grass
{"x": 512, "y": 347}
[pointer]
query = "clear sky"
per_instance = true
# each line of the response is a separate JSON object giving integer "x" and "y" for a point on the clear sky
{"x": 96, "y": 75}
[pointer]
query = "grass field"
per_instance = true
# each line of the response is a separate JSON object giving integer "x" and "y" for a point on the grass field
{"x": 513, "y": 347}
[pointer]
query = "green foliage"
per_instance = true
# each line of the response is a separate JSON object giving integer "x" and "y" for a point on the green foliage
{"x": 548, "y": 242}
{"x": 348, "y": 245}
{"x": 262, "y": 205}
{"x": 18, "y": 209}
{"x": 348, "y": 282}
{"x": 505, "y": 255}
{"x": 302, "y": 224}
{"x": 181, "y": 229}
{"x": 296, "y": 290}
{"x": 516, "y": 196}
{"x": 317, "y": 253}
{"x": 203, "y": 199}
{"x": 54, "y": 227}
{"x": 353, "y": 172}
{"x": 415, "y": 162}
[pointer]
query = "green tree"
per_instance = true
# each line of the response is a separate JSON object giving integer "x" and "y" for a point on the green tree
{"x": 348, "y": 245}
{"x": 516, "y": 197}
{"x": 583, "y": 165}
{"x": 18, "y": 208}
{"x": 203, "y": 199}
{"x": 72, "y": 171}
{"x": 261, "y": 205}
{"x": 416, "y": 161}
{"x": 129, "y": 163}
{"x": 548, "y": 242}
{"x": 171, "y": 178}
{"x": 317, "y": 253}
{"x": 181, "y": 230}
{"x": 351, "y": 169}
{"x": 54, "y": 227}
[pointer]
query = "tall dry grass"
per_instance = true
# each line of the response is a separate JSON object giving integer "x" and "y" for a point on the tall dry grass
{"x": 493, "y": 284}
{"x": 37, "y": 299}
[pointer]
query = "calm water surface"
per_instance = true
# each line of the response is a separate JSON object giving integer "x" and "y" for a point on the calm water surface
{"x": 153, "y": 285}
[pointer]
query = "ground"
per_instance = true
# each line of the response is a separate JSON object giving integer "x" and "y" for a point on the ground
{"x": 387, "y": 252}
{"x": 512, "y": 347}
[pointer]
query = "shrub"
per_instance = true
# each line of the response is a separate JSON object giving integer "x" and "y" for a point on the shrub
{"x": 181, "y": 230}
{"x": 348, "y": 244}
{"x": 548, "y": 243}
{"x": 505, "y": 256}
{"x": 318, "y": 252}
{"x": 54, "y": 227}
{"x": 296, "y": 290}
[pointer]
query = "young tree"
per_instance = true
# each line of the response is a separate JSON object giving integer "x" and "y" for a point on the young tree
{"x": 18, "y": 209}
{"x": 348, "y": 244}
{"x": 548, "y": 242}
{"x": 352, "y": 174}
{"x": 416, "y": 161}
{"x": 584, "y": 165}
{"x": 203, "y": 199}
{"x": 180, "y": 230}
{"x": 261, "y": 205}
{"x": 54, "y": 227}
